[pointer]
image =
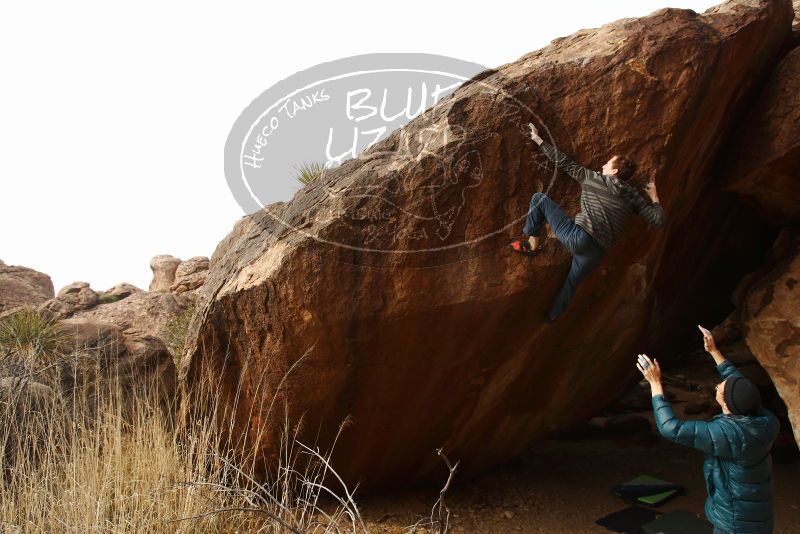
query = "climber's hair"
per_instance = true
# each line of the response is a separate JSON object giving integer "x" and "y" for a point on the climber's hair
{"x": 625, "y": 167}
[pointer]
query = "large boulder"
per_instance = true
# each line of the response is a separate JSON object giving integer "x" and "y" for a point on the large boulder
{"x": 770, "y": 318}
{"x": 761, "y": 164}
{"x": 21, "y": 286}
{"x": 386, "y": 292}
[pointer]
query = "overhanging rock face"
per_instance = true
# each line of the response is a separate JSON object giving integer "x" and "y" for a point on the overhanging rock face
{"x": 391, "y": 273}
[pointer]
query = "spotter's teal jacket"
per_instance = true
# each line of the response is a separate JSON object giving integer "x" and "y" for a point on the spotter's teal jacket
{"x": 737, "y": 466}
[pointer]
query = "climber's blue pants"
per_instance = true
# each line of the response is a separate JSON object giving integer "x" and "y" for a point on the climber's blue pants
{"x": 586, "y": 253}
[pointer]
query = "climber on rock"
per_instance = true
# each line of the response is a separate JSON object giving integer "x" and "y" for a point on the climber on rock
{"x": 607, "y": 199}
{"x": 738, "y": 467}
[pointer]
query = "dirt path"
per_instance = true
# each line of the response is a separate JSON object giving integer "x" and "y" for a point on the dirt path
{"x": 563, "y": 487}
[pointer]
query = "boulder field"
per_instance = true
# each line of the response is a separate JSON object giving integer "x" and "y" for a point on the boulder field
{"x": 385, "y": 293}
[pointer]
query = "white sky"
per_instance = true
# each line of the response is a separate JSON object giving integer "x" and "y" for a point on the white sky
{"x": 113, "y": 117}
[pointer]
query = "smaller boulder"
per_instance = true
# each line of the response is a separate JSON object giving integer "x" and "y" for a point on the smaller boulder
{"x": 148, "y": 363}
{"x": 57, "y": 309}
{"x": 120, "y": 291}
{"x": 35, "y": 396}
{"x": 163, "y": 267}
{"x": 28, "y": 419}
{"x": 625, "y": 424}
{"x": 87, "y": 335}
{"x": 78, "y": 295}
{"x": 637, "y": 400}
{"x": 131, "y": 362}
{"x": 145, "y": 311}
{"x": 190, "y": 274}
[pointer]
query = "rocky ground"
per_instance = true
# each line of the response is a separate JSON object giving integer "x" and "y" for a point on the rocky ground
{"x": 562, "y": 485}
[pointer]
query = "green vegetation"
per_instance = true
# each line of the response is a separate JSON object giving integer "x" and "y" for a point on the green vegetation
{"x": 105, "y": 298}
{"x": 32, "y": 334}
{"x": 177, "y": 329}
{"x": 309, "y": 172}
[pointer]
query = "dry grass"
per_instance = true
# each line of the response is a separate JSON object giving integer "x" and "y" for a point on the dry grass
{"x": 84, "y": 454}
{"x": 113, "y": 477}
{"x": 130, "y": 469}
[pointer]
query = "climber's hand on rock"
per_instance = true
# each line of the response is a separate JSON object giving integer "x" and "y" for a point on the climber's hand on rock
{"x": 650, "y": 189}
{"x": 535, "y": 133}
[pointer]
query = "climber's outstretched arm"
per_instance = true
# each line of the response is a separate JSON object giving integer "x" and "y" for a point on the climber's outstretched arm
{"x": 724, "y": 367}
{"x": 581, "y": 174}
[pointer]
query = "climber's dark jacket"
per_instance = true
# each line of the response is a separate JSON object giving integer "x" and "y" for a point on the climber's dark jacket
{"x": 606, "y": 201}
{"x": 737, "y": 467}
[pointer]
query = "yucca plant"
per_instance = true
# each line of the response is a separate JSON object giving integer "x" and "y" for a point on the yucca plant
{"x": 308, "y": 172}
{"x": 32, "y": 333}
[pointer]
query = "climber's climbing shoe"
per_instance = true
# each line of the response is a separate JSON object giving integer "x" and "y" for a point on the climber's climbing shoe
{"x": 523, "y": 246}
